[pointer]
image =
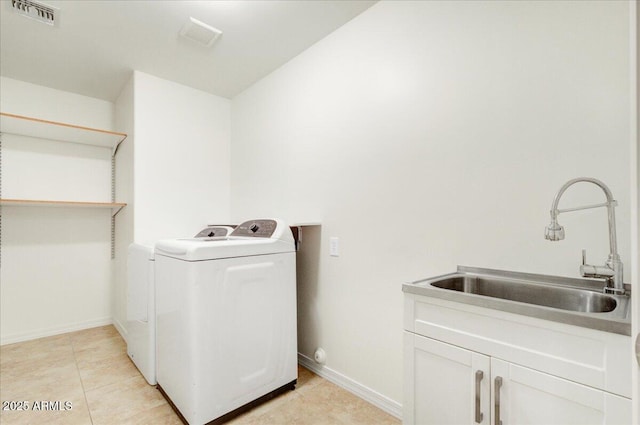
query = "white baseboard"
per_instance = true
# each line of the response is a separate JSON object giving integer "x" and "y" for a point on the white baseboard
{"x": 56, "y": 330}
{"x": 121, "y": 329}
{"x": 390, "y": 406}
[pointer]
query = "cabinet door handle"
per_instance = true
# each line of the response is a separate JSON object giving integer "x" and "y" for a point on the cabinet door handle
{"x": 498, "y": 383}
{"x": 479, "y": 376}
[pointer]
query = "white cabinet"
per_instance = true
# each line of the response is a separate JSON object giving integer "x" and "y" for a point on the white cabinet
{"x": 445, "y": 384}
{"x": 526, "y": 396}
{"x": 471, "y": 365}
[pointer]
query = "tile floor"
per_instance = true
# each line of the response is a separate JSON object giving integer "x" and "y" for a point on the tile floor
{"x": 90, "y": 372}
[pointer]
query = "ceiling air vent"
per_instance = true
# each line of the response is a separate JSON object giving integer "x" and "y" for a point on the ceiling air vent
{"x": 38, "y": 11}
{"x": 200, "y": 32}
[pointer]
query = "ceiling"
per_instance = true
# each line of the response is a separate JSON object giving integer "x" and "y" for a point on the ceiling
{"x": 96, "y": 44}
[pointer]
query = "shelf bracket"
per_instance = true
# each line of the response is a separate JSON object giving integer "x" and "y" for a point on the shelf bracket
{"x": 116, "y": 210}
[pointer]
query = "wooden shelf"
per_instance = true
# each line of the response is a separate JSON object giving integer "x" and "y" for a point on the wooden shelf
{"x": 114, "y": 206}
{"x": 70, "y": 133}
{"x": 52, "y": 130}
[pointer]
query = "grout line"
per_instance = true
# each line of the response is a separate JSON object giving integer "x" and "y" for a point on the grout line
{"x": 84, "y": 393}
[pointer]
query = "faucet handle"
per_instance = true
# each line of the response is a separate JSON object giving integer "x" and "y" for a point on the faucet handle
{"x": 587, "y": 270}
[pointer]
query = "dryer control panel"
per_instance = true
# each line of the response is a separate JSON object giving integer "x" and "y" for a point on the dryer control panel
{"x": 256, "y": 228}
{"x": 213, "y": 231}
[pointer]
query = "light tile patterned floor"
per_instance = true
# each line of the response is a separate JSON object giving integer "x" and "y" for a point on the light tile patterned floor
{"x": 91, "y": 370}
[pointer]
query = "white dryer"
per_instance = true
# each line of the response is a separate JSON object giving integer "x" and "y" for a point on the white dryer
{"x": 141, "y": 340}
{"x": 226, "y": 320}
{"x": 141, "y": 311}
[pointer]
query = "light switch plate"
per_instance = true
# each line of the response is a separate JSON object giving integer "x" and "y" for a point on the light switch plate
{"x": 334, "y": 247}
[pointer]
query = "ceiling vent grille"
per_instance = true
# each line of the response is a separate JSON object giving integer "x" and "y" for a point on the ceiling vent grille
{"x": 38, "y": 11}
{"x": 200, "y": 32}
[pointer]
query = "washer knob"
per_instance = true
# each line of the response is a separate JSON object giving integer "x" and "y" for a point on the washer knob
{"x": 254, "y": 227}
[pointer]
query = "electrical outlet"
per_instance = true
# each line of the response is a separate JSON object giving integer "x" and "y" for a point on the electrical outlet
{"x": 334, "y": 247}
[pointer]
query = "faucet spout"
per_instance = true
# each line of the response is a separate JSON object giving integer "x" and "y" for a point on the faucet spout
{"x": 613, "y": 268}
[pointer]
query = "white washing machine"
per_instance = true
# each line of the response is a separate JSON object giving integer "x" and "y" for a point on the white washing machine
{"x": 141, "y": 311}
{"x": 226, "y": 320}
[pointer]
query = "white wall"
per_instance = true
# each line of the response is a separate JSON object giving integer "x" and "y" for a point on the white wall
{"x": 430, "y": 134}
{"x": 172, "y": 171}
{"x": 124, "y": 122}
{"x": 634, "y": 158}
{"x": 55, "y": 273}
{"x": 181, "y": 159}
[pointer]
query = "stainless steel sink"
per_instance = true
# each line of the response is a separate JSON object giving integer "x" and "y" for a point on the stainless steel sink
{"x": 573, "y": 301}
{"x": 549, "y": 296}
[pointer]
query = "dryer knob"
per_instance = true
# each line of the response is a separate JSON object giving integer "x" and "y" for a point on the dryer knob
{"x": 254, "y": 227}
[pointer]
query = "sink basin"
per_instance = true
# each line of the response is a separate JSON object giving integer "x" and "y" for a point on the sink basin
{"x": 574, "y": 301}
{"x": 549, "y": 296}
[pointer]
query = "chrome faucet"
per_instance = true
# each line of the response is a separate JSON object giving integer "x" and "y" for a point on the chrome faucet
{"x": 612, "y": 270}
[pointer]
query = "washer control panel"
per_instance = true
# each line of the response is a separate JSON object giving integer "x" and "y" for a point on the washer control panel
{"x": 256, "y": 229}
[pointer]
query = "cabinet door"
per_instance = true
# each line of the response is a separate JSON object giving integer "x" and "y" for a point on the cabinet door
{"x": 525, "y": 396}
{"x": 444, "y": 384}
